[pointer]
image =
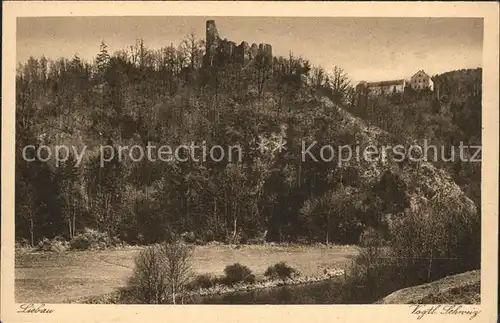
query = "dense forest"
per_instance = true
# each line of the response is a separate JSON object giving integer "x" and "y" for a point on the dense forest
{"x": 141, "y": 96}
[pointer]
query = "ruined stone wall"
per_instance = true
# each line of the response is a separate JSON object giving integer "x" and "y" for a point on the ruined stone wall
{"x": 220, "y": 52}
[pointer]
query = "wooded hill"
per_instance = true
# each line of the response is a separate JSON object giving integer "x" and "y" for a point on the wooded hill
{"x": 165, "y": 96}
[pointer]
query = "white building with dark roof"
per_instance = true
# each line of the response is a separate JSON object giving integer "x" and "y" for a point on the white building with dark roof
{"x": 386, "y": 87}
{"x": 421, "y": 80}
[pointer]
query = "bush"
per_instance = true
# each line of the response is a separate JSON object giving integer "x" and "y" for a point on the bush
{"x": 22, "y": 243}
{"x": 80, "y": 242}
{"x": 116, "y": 241}
{"x": 244, "y": 238}
{"x": 233, "y": 239}
{"x": 256, "y": 240}
{"x": 58, "y": 238}
{"x": 237, "y": 273}
{"x": 208, "y": 235}
{"x": 45, "y": 245}
{"x": 188, "y": 237}
{"x": 303, "y": 240}
{"x": 203, "y": 281}
{"x": 57, "y": 244}
{"x": 280, "y": 271}
{"x": 250, "y": 279}
{"x": 93, "y": 239}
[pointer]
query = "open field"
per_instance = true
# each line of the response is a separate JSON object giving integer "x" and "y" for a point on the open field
{"x": 56, "y": 277}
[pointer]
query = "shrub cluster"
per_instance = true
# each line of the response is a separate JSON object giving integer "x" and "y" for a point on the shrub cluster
{"x": 57, "y": 244}
{"x": 280, "y": 271}
{"x": 240, "y": 274}
{"x": 93, "y": 239}
{"x": 89, "y": 239}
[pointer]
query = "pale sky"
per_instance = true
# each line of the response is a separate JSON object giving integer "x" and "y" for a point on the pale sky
{"x": 368, "y": 49}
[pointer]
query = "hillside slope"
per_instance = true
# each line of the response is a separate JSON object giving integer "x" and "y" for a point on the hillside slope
{"x": 463, "y": 288}
{"x": 423, "y": 183}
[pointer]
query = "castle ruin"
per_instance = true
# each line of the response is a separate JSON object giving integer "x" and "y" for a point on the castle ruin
{"x": 220, "y": 52}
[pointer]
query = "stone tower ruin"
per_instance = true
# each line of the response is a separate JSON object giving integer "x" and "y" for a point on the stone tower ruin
{"x": 211, "y": 41}
{"x": 220, "y": 52}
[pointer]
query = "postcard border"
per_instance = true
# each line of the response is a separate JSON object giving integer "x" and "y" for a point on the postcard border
{"x": 253, "y": 313}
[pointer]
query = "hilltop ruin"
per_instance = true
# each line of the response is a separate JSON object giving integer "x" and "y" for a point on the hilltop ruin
{"x": 220, "y": 52}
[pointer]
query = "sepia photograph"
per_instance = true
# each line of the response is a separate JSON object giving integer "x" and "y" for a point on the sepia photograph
{"x": 249, "y": 159}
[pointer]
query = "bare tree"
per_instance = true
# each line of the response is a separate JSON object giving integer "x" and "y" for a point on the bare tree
{"x": 192, "y": 48}
{"x": 150, "y": 278}
{"x": 318, "y": 77}
{"x": 140, "y": 56}
{"x": 178, "y": 266}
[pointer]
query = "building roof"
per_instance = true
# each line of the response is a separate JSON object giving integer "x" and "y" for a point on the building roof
{"x": 386, "y": 83}
{"x": 421, "y": 71}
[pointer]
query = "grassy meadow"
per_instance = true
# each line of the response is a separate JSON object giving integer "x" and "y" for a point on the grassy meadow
{"x": 52, "y": 277}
